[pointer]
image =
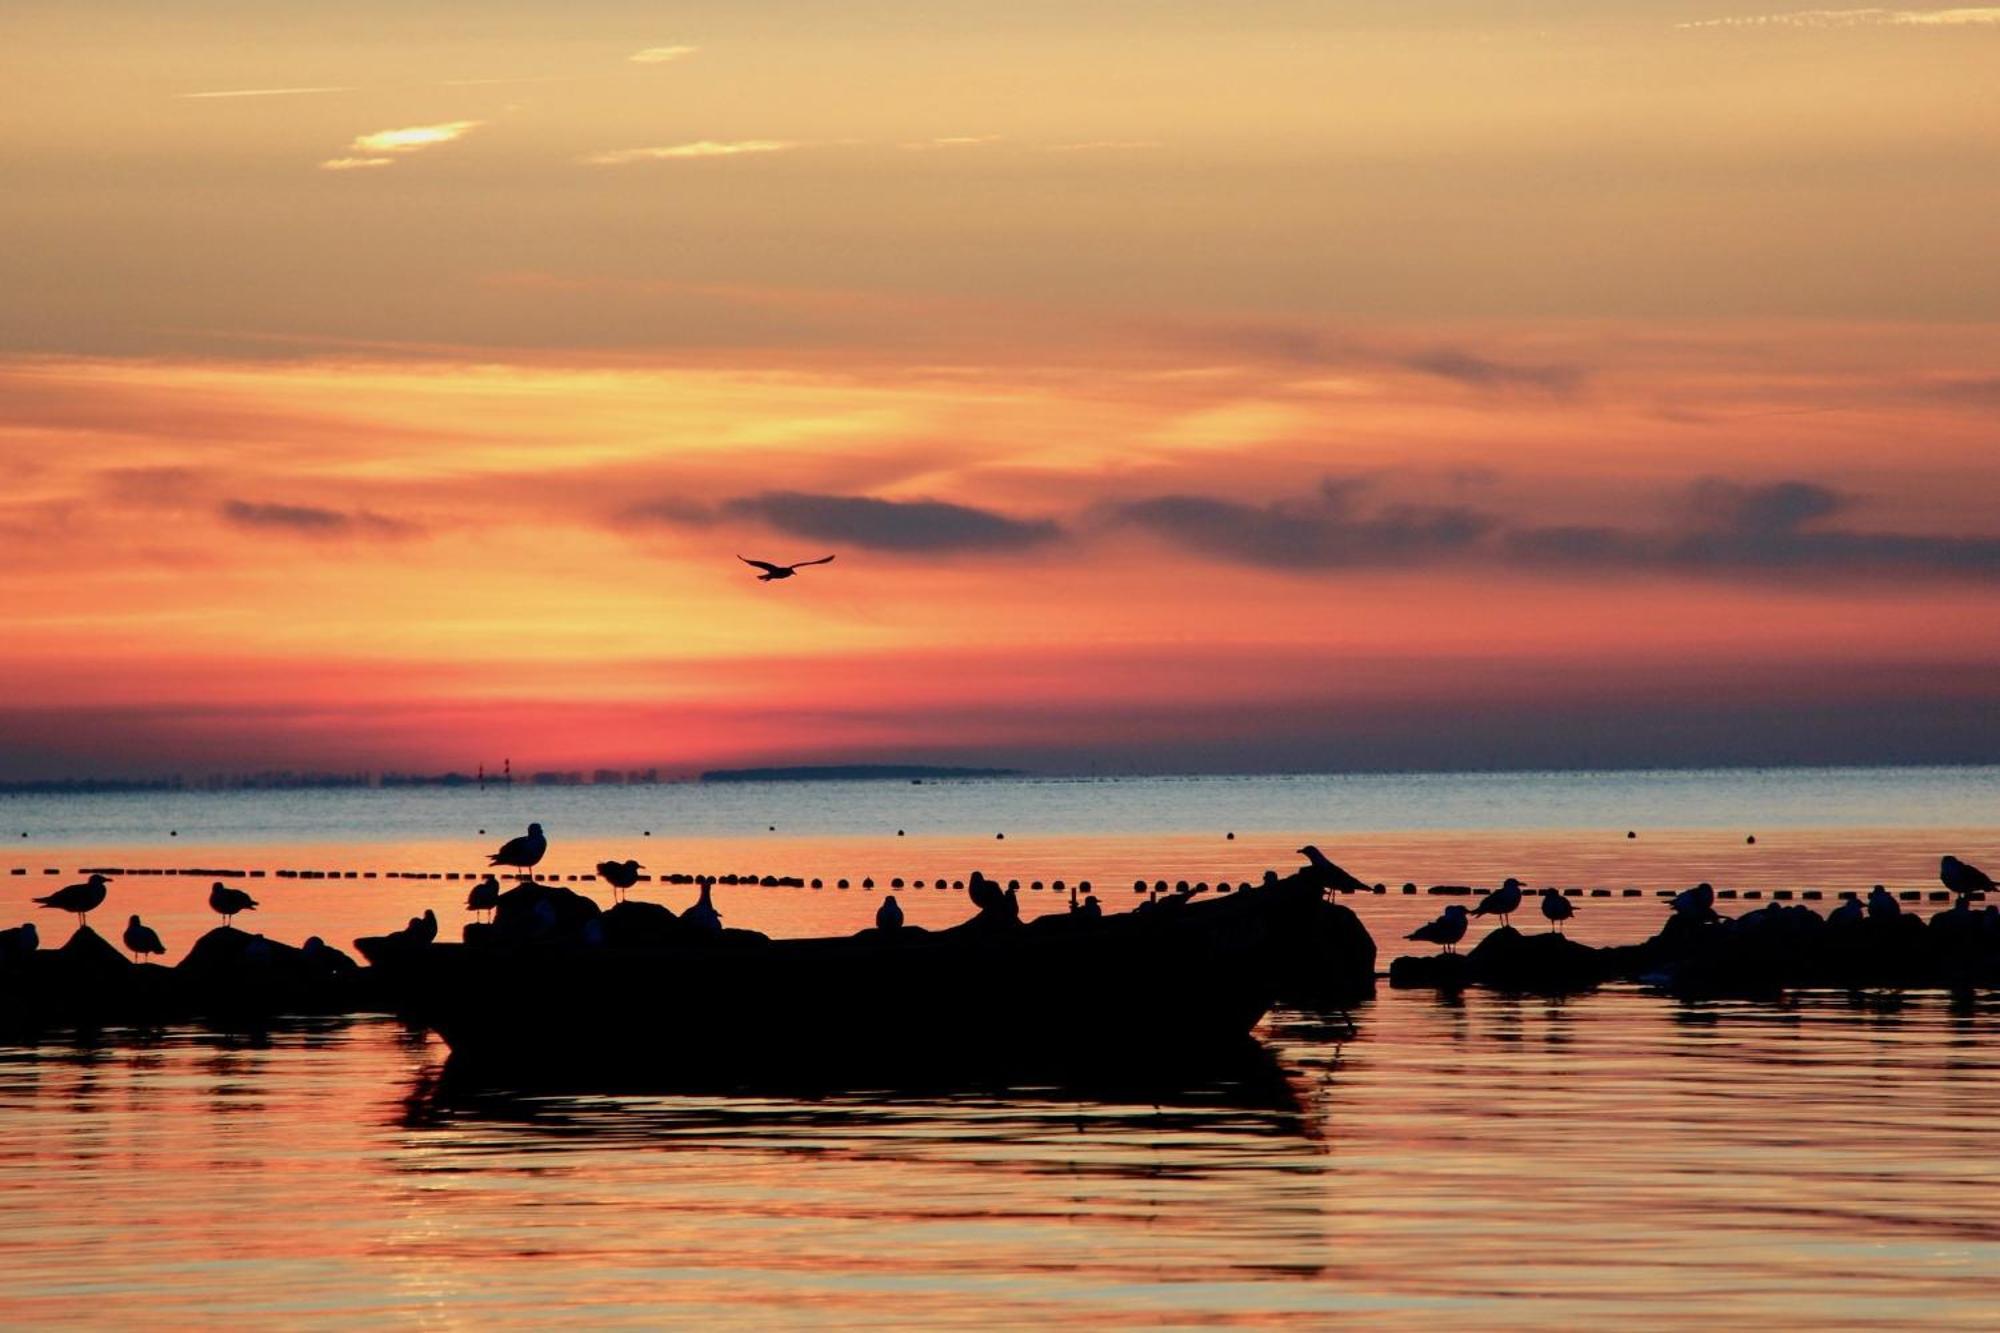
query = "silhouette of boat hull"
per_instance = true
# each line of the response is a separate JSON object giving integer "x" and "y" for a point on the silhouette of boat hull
{"x": 1143, "y": 989}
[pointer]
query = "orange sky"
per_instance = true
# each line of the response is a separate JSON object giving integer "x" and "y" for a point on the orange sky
{"x": 1296, "y": 384}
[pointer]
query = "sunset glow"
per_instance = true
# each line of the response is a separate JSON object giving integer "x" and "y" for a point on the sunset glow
{"x": 1315, "y": 391}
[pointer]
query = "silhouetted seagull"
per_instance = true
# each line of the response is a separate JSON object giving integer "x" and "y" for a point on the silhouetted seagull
{"x": 1447, "y": 930}
{"x": 1503, "y": 902}
{"x": 889, "y": 916}
{"x": 1847, "y": 914}
{"x": 1697, "y": 903}
{"x": 620, "y": 875}
{"x": 986, "y": 895}
{"x": 83, "y": 899}
{"x": 141, "y": 938}
{"x": 523, "y": 853}
{"x": 1323, "y": 874}
{"x": 1963, "y": 879}
{"x": 422, "y": 929}
{"x": 227, "y": 902}
{"x": 703, "y": 916}
{"x": 1882, "y": 904}
{"x": 21, "y": 939}
{"x": 773, "y": 572}
{"x": 485, "y": 896}
{"x": 1557, "y": 909}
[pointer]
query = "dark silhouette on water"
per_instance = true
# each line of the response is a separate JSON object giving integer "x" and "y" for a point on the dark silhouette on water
{"x": 1882, "y": 904}
{"x": 620, "y": 875}
{"x": 1557, "y": 909}
{"x": 1697, "y": 903}
{"x": 485, "y": 896}
{"x": 1446, "y": 931}
{"x": 523, "y": 853}
{"x": 774, "y": 572}
{"x": 1503, "y": 902}
{"x": 82, "y": 899}
{"x": 1963, "y": 879}
{"x": 889, "y": 916}
{"x": 227, "y": 902}
{"x": 141, "y": 938}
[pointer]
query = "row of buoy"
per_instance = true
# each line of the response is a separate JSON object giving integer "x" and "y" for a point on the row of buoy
{"x": 1034, "y": 886}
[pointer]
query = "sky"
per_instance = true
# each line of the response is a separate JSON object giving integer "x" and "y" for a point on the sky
{"x": 1273, "y": 385}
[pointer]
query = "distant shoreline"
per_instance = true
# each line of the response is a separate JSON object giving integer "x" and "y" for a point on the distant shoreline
{"x": 854, "y": 773}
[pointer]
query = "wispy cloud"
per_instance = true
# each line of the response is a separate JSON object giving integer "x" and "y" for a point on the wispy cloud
{"x": 1101, "y": 145}
{"x": 313, "y": 521}
{"x": 383, "y": 147}
{"x": 660, "y": 55}
{"x": 261, "y": 92}
{"x": 952, "y": 141}
{"x": 910, "y": 526}
{"x": 618, "y": 157}
{"x": 1857, "y": 18}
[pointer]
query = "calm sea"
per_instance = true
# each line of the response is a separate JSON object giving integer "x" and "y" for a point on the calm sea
{"x": 1494, "y": 1162}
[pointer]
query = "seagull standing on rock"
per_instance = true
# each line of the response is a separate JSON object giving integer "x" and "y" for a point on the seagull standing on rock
{"x": 1882, "y": 904}
{"x": 1962, "y": 879}
{"x": 82, "y": 899}
{"x": 620, "y": 875}
{"x": 889, "y": 916}
{"x": 703, "y": 916}
{"x": 141, "y": 938}
{"x": 1697, "y": 902}
{"x": 1557, "y": 909}
{"x": 485, "y": 896}
{"x": 1503, "y": 902}
{"x": 523, "y": 853}
{"x": 226, "y": 902}
{"x": 1446, "y": 931}
{"x": 1324, "y": 874}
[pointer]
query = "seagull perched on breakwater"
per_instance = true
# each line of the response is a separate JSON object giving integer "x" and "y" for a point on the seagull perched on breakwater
{"x": 703, "y": 916}
{"x": 1446, "y": 931}
{"x": 1963, "y": 879}
{"x": 485, "y": 896}
{"x": 523, "y": 853}
{"x": 1503, "y": 902}
{"x": 227, "y": 902}
{"x": 889, "y": 916}
{"x": 1697, "y": 902}
{"x": 141, "y": 938}
{"x": 1323, "y": 874}
{"x": 1557, "y": 909}
{"x": 83, "y": 899}
{"x": 620, "y": 875}
{"x": 772, "y": 572}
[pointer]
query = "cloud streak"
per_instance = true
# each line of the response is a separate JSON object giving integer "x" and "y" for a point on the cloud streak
{"x": 1722, "y": 529}
{"x": 701, "y": 148}
{"x": 260, "y": 92}
{"x": 312, "y": 521}
{"x": 661, "y": 55}
{"x": 934, "y": 527}
{"x": 384, "y": 147}
{"x": 1858, "y": 18}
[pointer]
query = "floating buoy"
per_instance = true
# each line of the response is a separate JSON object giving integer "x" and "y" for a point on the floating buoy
{"x": 1630, "y": 834}
{"x": 1229, "y": 837}
{"x": 1000, "y": 837}
{"x": 1751, "y": 839}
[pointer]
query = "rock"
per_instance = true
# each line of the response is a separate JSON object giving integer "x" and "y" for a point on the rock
{"x": 641, "y": 925}
{"x": 1438, "y": 971}
{"x": 1542, "y": 964}
{"x": 1332, "y": 961}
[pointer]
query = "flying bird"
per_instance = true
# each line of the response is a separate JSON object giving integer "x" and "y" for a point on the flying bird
{"x": 141, "y": 938}
{"x": 1557, "y": 909}
{"x": 1446, "y": 931}
{"x": 774, "y": 572}
{"x": 522, "y": 853}
{"x": 485, "y": 896}
{"x": 226, "y": 902}
{"x": 620, "y": 875}
{"x": 1963, "y": 879}
{"x": 83, "y": 899}
{"x": 1503, "y": 902}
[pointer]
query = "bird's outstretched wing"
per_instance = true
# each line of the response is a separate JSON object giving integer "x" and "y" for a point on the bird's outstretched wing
{"x": 823, "y": 560}
{"x": 764, "y": 565}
